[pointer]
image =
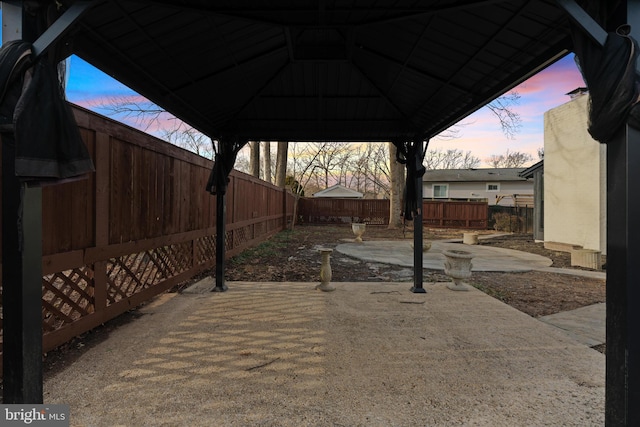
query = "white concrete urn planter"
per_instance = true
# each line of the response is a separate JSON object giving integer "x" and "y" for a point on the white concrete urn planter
{"x": 457, "y": 265}
{"x": 358, "y": 229}
{"x": 325, "y": 270}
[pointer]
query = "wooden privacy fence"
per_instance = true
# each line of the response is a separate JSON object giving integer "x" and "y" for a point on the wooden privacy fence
{"x": 455, "y": 214}
{"x": 514, "y": 219}
{"x": 471, "y": 215}
{"x": 138, "y": 226}
{"x": 343, "y": 211}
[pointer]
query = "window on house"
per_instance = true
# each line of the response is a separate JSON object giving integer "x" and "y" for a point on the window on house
{"x": 440, "y": 190}
{"x": 493, "y": 186}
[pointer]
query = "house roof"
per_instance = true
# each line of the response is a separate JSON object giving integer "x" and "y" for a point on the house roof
{"x": 466, "y": 175}
{"x": 315, "y": 70}
{"x": 339, "y": 191}
{"x": 528, "y": 172}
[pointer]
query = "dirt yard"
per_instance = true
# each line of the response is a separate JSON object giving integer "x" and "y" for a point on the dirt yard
{"x": 292, "y": 256}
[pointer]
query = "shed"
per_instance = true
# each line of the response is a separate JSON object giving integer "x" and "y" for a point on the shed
{"x": 339, "y": 191}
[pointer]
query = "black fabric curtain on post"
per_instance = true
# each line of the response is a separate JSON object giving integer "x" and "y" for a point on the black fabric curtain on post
{"x": 406, "y": 154}
{"x": 610, "y": 74}
{"x": 36, "y": 119}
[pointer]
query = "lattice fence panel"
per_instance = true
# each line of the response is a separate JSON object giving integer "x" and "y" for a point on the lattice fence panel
{"x": 241, "y": 235}
{"x": 260, "y": 229}
{"x": 228, "y": 240}
{"x": 205, "y": 249}
{"x": 130, "y": 274}
{"x": 66, "y": 297}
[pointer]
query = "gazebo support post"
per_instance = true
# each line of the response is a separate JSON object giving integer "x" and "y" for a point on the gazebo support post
{"x": 622, "y": 392}
{"x": 623, "y": 276}
{"x": 221, "y": 171}
{"x": 221, "y": 219}
{"x": 22, "y": 250}
{"x": 225, "y": 158}
{"x": 622, "y": 389}
{"x": 417, "y": 287}
{"x": 21, "y": 265}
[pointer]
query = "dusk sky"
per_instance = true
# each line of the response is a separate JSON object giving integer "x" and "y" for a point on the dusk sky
{"x": 481, "y": 134}
{"x": 546, "y": 90}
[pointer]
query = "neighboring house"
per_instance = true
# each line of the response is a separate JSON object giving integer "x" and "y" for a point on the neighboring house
{"x": 536, "y": 172}
{"x": 575, "y": 187}
{"x": 496, "y": 186}
{"x": 339, "y": 191}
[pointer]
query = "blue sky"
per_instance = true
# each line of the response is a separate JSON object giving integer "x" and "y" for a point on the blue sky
{"x": 481, "y": 134}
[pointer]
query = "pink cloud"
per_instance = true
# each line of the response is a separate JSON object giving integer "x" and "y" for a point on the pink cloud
{"x": 154, "y": 124}
{"x": 553, "y": 82}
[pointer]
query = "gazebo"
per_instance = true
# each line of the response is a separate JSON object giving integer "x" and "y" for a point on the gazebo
{"x": 326, "y": 70}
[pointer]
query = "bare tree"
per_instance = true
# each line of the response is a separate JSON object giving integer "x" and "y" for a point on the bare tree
{"x": 327, "y": 159}
{"x": 367, "y": 169}
{"x": 301, "y": 161}
{"x": 303, "y": 167}
{"x": 382, "y": 171}
{"x": 281, "y": 163}
{"x": 363, "y": 167}
{"x": 266, "y": 161}
{"x": 379, "y": 171}
{"x": 147, "y": 116}
{"x": 242, "y": 162}
{"x": 510, "y": 159}
{"x": 502, "y": 108}
{"x": 359, "y": 169}
{"x": 135, "y": 110}
{"x": 254, "y": 159}
{"x": 188, "y": 138}
{"x": 450, "y": 159}
{"x": 540, "y": 152}
{"x": 397, "y": 185}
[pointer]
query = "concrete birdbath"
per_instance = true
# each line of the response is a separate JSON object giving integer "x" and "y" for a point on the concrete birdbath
{"x": 358, "y": 229}
{"x": 325, "y": 270}
{"x": 457, "y": 266}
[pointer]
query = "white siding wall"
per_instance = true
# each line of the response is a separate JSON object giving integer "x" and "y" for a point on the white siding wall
{"x": 574, "y": 179}
{"x": 478, "y": 190}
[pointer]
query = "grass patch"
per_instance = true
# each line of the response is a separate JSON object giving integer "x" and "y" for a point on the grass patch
{"x": 265, "y": 249}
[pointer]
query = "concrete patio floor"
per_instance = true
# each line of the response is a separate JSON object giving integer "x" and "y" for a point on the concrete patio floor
{"x": 367, "y": 354}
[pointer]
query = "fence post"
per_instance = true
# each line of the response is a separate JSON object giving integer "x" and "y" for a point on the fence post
{"x": 103, "y": 192}
{"x": 284, "y": 208}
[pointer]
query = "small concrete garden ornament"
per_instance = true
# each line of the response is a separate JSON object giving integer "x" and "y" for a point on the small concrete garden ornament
{"x": 458, "y": 266}
{"x": 358, "y": 229}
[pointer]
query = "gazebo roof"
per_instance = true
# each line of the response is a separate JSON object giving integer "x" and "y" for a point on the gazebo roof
{"x": 316, "y": 70}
